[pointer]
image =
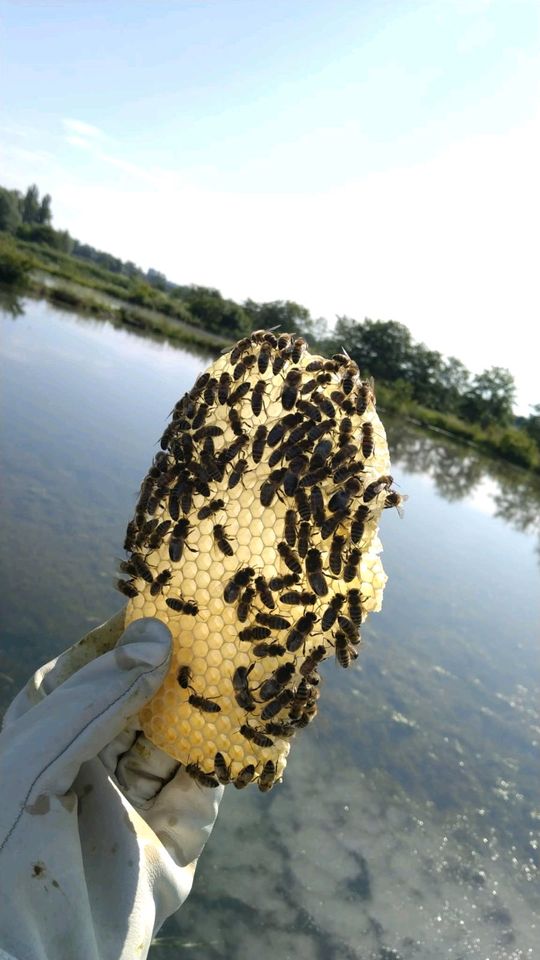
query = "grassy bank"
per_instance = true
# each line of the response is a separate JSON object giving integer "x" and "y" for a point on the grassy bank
{"x": 506, "y": 443}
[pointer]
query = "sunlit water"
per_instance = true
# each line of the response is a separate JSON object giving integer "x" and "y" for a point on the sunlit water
{"x": 407, "y": 823}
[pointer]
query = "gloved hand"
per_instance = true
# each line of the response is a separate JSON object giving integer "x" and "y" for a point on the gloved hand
{"x": 100, "y": 831}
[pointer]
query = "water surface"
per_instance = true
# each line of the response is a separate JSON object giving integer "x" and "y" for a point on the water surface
{"x": 407, "y": 823}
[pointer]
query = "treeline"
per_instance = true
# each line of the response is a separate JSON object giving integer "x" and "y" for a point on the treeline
{"x": 412, "y": 376}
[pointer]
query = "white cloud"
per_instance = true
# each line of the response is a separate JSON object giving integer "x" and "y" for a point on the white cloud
{"x": 82, "y": 128}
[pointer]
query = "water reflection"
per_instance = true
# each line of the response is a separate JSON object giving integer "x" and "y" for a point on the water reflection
{"x": 406, "y": 824}
{"x": 11, "y": 303}
{"x": 459, "y": 472}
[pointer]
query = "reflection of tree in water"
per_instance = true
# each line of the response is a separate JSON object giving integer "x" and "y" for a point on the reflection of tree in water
{"x": 11, "y": 303}
{"x": 457, "y": 471}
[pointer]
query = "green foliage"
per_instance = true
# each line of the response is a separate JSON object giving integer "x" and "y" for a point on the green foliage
{"x": 215, "y": 313}
{"x": 532, "y": 424}
{"x": 10, "y": 210}
{"x": 490, "y": 397}
{"x": 31, "y": 205}
{"x": 15, "y": 266}
{"x": 43, "y": 233}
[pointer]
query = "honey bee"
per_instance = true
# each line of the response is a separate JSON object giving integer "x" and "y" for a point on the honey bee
{"x": 289, "y": 557}
{"x": 345, "y": 431}
{"x": 354, "y": 600}
{"x": 202, "y": 778}
{"x": 304, "y": 538}
{"x": 237, "y": 395}
{"x": 199, "y": 386}
{"x": 229, "y": 453}
{"x": 287, "y": 580}
{"x": 179, "y": 534}
{"x": 301, "y": 629}
{"x": 272, "y": 620}
{"x": 141, "y": 568}
{"x": 341, "y": 499}
{"x": 298, "y": 348}
{"x": 349, "y": 629}
{"x": 274, "y": 707}
{"x": 244, "y": 605}
{"x": 276, "y": 434}
{"x": 346, "y": 452}
{"x": 377, "y": 487}
{"x": 353, "y": 560}
{"x": 210, "y": 508}
{"x": 210, "y": 391}
{"x": 243, "y": 366}
{"x": 270, "y": 486}
{"x": 344, "y": 653}
{"x": 182, "y": 606}
{"x": 242, "y": 693}
{"x": 224, "y": 387}
{"x": 280, "y": 728}
{"x": 331, "y": 524}
{"x": 254, "y": 633}
{"x": 255, "y": 736}
{"x": 324, "y": 403}
{"x": 317, "y": 505}
{"x": 289, "y": 394}
{"x": 330, "y": 614}
{"x": 257, "y": 397}
{"x": 221, "y": 540}
{"x": 278, "y": 363}
{"x": 127, "y": 587}
{"x": 267, "y": 777}
{"x": 268, "y": 650}
{"x": 236, "y": 422}
{"x": 310, "y": 410}
{"x": 358, "y": 524}
{"x": 301, "y": 598}
{"x": 233, "y": 587}
{"x": 203, "y": 704}
{"x": 290, "y": 527}
{"x": 259, "y": 443}
{"x": 301, "y": 694}
{"x": 184, "y": 676}
{"x": 131, "y": 536}
{"x": 244, "y": 777}
{"x": 221, "y": 770}
{"x": 394, "y": 499}
{"x": 312, "y": 660}
{"x": 348, "y": 380}
{"x": 362, "y": 398}
{"x": 264, "y": 357}
{"x": 237, "y": 473}
{"x": 314, "y": 571}
{"x": 161, "y": 581}
{"x": 302, "y": 504}
{"x": 157, "y": 537}
{"x": 199, "y": 417}
{"x": 336, "y": 551}
{"x": 241, "y": 347}
{"x": 367, "y": 440}
{"x": 208, "y": 432}
{"x": 320, "y": 454}
{"x": 265, "y": 593}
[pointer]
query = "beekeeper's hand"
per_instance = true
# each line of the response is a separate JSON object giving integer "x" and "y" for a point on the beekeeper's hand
{"x": 99, "y": 831}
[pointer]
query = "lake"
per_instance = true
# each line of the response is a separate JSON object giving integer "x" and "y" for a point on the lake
{"x": 407, "y": 825}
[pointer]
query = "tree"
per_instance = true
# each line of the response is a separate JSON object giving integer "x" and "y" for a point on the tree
{"x": 286, "y": 315}
{"x": 44, "y": 213}
{"x": 490, "y": 397}
{"x": 424, "y": 374}
{"x": 454, "y": 381}
{"x": 10, "y": 212}
{"x": 382, "y": 348}
{"x": 31, "y": 205}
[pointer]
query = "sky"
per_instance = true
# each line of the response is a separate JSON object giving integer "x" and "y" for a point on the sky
{"x": 375, "y": 159}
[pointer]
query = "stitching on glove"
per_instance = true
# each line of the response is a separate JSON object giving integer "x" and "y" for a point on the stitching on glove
{"x": 68, "y": 745}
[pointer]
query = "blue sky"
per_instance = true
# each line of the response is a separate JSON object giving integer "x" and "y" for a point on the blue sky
{"x": 369, "y": 158}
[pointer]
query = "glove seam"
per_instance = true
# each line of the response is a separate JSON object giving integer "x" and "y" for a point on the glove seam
{"x": 71, "y": 742}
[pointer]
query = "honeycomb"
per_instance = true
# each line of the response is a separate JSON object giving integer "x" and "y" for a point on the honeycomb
{"x": 255, "y": 540}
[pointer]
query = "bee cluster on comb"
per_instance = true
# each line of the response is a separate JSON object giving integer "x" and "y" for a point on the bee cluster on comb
{"x": 255, "y": 540}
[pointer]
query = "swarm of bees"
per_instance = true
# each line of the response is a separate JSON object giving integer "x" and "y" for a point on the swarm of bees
{"x": 255, "y": 540}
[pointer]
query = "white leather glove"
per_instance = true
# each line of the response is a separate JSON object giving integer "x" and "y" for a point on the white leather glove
{"x": 100, "y": 831}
